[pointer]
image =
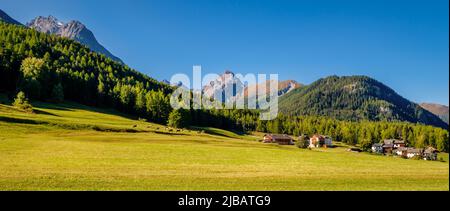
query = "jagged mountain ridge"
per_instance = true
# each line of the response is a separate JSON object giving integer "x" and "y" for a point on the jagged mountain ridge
{"x": 73, "y": 30}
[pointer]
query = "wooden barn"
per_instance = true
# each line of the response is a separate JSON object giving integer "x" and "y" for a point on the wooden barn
{"x": 281, "y": 139}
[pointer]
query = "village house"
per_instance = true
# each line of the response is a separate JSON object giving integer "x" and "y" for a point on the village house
{"x": 401, "y": 151}
{"x": 398, "y": 148}
{"x": 320, "y": 141}
{"x": 430, "y": 154}
{"x": 412, "y": 152}
{"x": 399, "y": 143}
{"x": 388, "y": 141}
{"x": 377, "y": 148}
{"x": 387, "y": 148}
{"x": 281, "y": 139}
{"x": 395, "y": 143}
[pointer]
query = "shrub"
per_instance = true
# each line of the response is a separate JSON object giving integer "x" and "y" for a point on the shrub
{"x": 302, "y": 143}
{"x": 21, "y": 102}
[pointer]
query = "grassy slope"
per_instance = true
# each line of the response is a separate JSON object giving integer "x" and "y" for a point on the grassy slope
{"x": 57, "y": 149}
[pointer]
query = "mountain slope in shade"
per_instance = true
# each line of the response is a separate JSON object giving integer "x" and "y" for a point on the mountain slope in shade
{"x": 6, "y": 18}
{"x": 354, "y": 98}
{"x": 441, "y": 111}
{"x": 73, "y": 30}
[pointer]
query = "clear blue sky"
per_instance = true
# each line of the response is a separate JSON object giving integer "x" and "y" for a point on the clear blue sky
{"x": 404, "y": 44}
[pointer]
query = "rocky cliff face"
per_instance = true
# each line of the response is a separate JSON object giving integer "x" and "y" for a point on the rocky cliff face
{"x": 73, "y": 30}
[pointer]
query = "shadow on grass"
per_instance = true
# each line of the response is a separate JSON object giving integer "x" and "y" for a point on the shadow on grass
{"x": 36, "y": 111}
{"x": 72, "y": 106}
{"x": 21, "y": 121}
{"x": 171, "y": 134}
{"x": 116, "y": 130}
{"x": 72, "y": 126}
{"x": 218, "y": 132}
{"x": 59, "y": 107}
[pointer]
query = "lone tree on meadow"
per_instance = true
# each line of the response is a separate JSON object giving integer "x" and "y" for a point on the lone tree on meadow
{"x": 21, "y": 102}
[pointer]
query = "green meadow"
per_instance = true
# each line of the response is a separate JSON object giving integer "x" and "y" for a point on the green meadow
{"x": 74, "y": 147}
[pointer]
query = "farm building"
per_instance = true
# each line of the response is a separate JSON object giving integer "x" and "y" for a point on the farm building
{"x": 399, "y": 143}
{"x": 401, "y": 151}
{"x": 388, "y": 141}
{"x": 430, "y": 154}
{"x": 377, "y": 148}
{"x": 320, "y": 141}
{"x": 395, "y": 143}
{"x": 412, "y": 152}
{"x": 387, "y": 148}
{"x": 397, "y": 148}
{"x": 281, "y": 139}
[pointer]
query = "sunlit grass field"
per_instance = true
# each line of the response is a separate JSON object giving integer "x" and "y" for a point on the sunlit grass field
{"x": 74, "y": 147}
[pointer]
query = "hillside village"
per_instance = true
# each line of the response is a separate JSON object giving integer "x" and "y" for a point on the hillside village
{"x": 389, "y": 147}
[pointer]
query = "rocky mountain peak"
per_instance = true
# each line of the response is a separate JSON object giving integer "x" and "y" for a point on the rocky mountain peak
{"x": 73, "y": 30}
{"x": 49, "y": 25}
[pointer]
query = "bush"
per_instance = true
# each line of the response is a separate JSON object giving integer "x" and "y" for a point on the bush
{"x": 303, "y": 144}
{"x": 21, "y": 102}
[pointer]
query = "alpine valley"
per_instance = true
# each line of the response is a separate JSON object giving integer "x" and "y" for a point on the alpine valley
{"x": 75, "y": 117}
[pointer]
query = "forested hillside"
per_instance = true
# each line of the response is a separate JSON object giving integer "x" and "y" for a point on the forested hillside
{"x": 39, "y": 64}
{"x": 355, "y": 98}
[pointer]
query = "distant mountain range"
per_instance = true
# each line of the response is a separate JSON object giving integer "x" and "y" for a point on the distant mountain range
{"x": 227, "y": 81}
{"x": 355, "y": 98}
{"x": 74, "y": 30}
{"x": 441, "y": 111}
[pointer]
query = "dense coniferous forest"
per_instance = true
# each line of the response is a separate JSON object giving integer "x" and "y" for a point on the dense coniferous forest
{"x": 355, "y": 98}
{"x": 50, "y": 68}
